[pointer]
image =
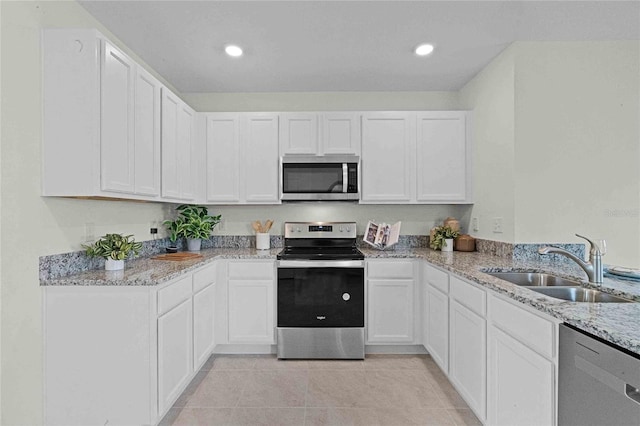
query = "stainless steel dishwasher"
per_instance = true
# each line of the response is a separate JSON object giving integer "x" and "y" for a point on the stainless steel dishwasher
{"x": 598, "y": 383}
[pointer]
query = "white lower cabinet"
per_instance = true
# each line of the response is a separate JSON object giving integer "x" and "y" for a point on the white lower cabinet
{"x": 522, "y": 365}
{"x": 175, "y": 348}
{"x": 203, "y": 325}
{"x": 122, "y": 355}
{"x": 436, "y": 315}
{"x": 521, "y": 390}
{"x": 251, "y": 301}
{"x": 390, "y": 301}
{"x": 467, "y": 359}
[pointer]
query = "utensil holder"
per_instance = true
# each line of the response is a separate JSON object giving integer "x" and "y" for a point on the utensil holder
{"x": 263, "y": 241}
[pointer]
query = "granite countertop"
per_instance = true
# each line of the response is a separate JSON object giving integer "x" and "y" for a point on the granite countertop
{"x": 614, "y": 322}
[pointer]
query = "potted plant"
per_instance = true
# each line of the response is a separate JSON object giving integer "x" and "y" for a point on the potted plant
{"x": 173, "y": 226}
{"x": 114, "y": 248}
{"x": 443, "y": 238}
{"x": 194, "y": 223}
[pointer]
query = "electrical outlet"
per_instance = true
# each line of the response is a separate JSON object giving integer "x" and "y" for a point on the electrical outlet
{"x": 497, "y": 225}
{"x": 475, "y": 225}
{"x": 89, "y": 231}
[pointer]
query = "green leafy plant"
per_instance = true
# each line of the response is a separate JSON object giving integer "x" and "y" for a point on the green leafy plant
{"x": 113, "y": 246}
{"x": 441, "y": 234}
{"x": 192, "y": 222}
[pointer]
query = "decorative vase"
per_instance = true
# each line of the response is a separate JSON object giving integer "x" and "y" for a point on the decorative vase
{"x": 113, "y": 265}
{"x": 194, "y": 244}
{"x": 448, "y": 244}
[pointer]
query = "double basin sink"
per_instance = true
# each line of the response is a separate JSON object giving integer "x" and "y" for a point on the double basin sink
{"x": 557, "y": 287}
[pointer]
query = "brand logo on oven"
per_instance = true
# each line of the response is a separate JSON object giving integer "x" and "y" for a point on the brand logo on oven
{"x": 321, "y": 317}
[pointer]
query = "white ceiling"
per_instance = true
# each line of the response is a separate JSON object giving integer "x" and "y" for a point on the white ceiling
{"x": 346, "y": 45}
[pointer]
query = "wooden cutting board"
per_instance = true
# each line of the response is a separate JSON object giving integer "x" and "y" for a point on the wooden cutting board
{"x": 177, "y": 256}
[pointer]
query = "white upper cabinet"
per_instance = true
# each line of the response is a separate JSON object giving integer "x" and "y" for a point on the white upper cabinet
{"x": 340, "y": 133}
{"x": 242, "y": 158}
{"x": 147, "y": 134}
{"x": 442, "y": 157}
{"x": 388, "y": 143}
{"x": 117, "y": 120}
{"x": 259, "y": 133}
{"x": 320, "y": 133}
{"x": 299, "y": 133}
{"x": 177, "y": 146}
{"x": 223, "y": 158}
{"x": 416, "y": 158}
{"x": 101, "y": 113}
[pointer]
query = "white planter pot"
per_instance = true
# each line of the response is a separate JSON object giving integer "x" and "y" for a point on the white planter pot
{"x": 194, "y": 244}
{"x": 113, "y": 265}
{"x": 448, "y": 244}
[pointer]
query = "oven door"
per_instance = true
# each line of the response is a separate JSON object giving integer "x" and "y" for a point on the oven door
{"x": 321, "y": 294}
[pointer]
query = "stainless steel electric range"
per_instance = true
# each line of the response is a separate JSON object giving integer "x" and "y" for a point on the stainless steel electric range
{"x": 320, "y": 292}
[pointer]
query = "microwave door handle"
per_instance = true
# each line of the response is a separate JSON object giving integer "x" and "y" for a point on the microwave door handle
{"x": 345, "y": 177}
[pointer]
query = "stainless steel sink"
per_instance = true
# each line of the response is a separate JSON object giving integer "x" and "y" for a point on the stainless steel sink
{"x": 579, "y": 294}
{"x": 534, "y": 279}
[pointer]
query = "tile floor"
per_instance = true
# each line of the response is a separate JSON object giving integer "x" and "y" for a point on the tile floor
{"x": 261, "y": 390}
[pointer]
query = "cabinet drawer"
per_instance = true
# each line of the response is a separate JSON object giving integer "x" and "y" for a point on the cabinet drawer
{"x": 390, "y": 269}
{"x": 255, "y": 270}
{"x": 437, "y": 278}
{"x": 204, "y": 277}
{"x": 524, "y": 326}
{"x": 469, "y": 295}
{"x": 173, "y": 294}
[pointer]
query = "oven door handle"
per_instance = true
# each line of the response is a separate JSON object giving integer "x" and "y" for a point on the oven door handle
{"x": 321, "y": 264}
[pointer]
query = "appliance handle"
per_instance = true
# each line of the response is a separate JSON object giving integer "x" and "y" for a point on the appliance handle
{"x": 632, "y": 393}
{"x": 321, "y": 264}
{"x": 345, "y": 177}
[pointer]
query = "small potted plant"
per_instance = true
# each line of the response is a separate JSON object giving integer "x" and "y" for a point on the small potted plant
{"x": 194, "y": 223}
{"x": 173, "y": 226}
{"x": 443, "y": 238}
{"x": 114, "y": 248}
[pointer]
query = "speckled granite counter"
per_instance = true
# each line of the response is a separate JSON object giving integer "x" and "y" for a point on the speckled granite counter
{"x": 150, "y": 272}
{"x": 618, "y": 323}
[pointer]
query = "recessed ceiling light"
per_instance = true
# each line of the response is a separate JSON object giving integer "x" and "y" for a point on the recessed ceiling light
{"x": 232, "y": 50}
{"x": 424, "y": 49}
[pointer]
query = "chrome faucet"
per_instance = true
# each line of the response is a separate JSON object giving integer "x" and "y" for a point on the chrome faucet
{"x": 593, "y": 267}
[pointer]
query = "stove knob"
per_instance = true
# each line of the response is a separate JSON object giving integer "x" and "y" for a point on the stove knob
{"x": 348, "y": 229}
{"x": 346, "y": 296}
{"x": 341, "y": 228}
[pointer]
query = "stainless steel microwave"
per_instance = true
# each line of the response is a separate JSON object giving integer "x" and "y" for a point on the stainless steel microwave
{"x": 312, "y": 178}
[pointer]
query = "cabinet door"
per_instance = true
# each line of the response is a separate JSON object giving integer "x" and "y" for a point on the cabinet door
{"x": 170, "y": 105}
{"x": 468, "y": 348}
{"x": 340, "y": 133}
{"x": 223, "y": 158}
{"x": 442, "y": 157}
{"x": 437, "y": 325}
{"x": 299, "y": 134}
{"x": 251, "y": 311}
{"x": 520, "y": 383}
{"x": 147, "y": 134}
{"x": 390, "y": 311}
{"x": 203, "y": 324}
{"x": 186, "y": 163}
{"x": 175, "y": 353}
{"x": 388, "y": 141}
{"x": 116, "y": 126}
{"x": 260, "y": 154}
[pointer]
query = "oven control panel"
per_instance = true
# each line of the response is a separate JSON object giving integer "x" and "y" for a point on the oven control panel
{"x": 320, "y": 230}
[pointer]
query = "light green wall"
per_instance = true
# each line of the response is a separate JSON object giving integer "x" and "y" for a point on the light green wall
{"x": 557, "y": 144}
{"x": 578, "y": 144}
{"x": 491, "y": 97}
{"x": 33, "y": 226}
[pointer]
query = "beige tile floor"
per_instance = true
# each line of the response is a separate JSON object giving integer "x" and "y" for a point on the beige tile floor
{"x": 261, "y": 390}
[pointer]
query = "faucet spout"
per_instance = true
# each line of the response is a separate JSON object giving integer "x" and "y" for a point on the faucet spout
{"x": 593, "y": 268}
